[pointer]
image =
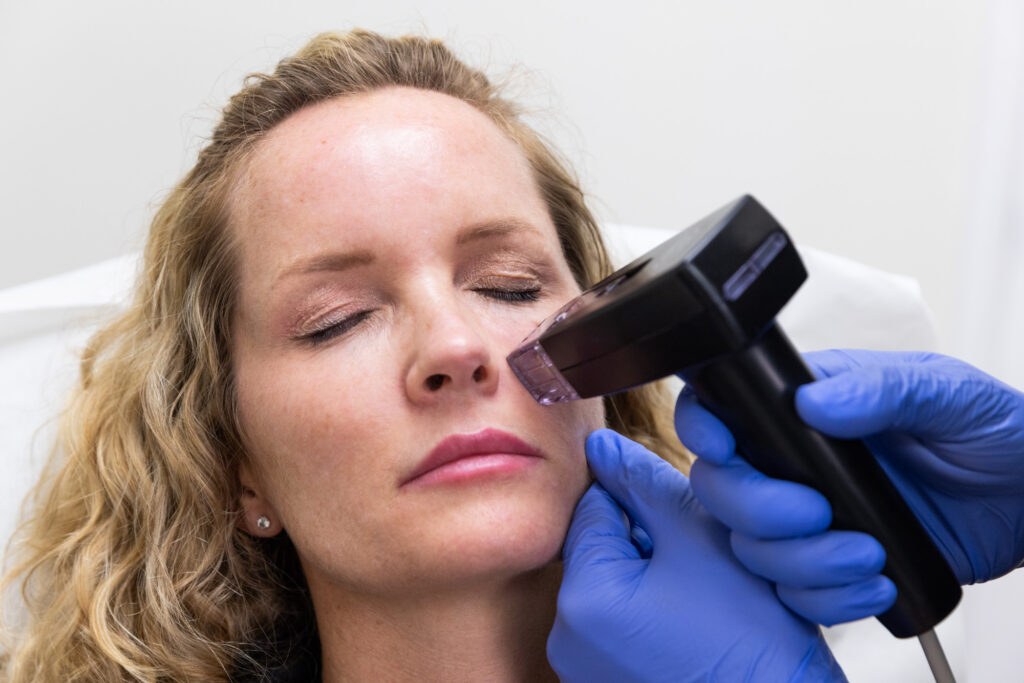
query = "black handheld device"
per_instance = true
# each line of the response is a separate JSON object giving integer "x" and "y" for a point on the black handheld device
{"x": 703, "y": 305}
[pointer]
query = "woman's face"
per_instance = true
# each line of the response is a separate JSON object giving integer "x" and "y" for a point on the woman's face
{"x": 394, "y": 248}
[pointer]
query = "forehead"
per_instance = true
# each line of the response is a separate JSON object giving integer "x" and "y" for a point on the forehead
{"x": 366, "y": 158}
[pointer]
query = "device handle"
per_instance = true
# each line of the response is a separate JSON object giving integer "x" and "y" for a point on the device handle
{"x": 752, "y": 392}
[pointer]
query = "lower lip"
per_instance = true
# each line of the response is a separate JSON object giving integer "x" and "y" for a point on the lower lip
{"x": 476, "y": 467}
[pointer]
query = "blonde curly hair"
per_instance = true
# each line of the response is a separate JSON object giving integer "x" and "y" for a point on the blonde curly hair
{"x": 132, "y": 566}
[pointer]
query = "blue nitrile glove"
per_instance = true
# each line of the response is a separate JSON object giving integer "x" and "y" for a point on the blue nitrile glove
{"x": 652, "y": 592}
{"x": 949, "y": 436}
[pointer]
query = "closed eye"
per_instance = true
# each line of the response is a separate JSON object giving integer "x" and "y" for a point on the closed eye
{"x": 332, "y": 330}
{"x": 336, "y": 329}
{"x": 510, "y": 295}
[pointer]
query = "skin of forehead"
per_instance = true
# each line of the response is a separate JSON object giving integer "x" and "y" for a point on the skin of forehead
{"x": 298, "y": 160}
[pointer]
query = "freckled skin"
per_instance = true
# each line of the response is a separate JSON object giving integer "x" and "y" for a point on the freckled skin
{"x": 333, "y": 430}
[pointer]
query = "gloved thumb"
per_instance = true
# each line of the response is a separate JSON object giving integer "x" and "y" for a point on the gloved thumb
{"x": 599, "y": 532}
{"x": 650, "y": 490}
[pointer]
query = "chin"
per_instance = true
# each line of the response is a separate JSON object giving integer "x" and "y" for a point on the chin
{"x": 503, "y": 538}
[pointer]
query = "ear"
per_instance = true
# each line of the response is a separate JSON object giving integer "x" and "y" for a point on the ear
{"x": 259, "y": 518}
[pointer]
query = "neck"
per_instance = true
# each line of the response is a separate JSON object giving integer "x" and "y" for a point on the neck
{"x": 495, "y": 631}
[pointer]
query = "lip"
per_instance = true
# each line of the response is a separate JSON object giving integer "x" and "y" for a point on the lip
{"x": 496, "y": 451}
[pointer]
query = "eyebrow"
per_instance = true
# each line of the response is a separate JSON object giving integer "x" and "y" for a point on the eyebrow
{"x": 494, "y": 228}
{"x": 333, "y": 262}
{"x": 340, "y": 261}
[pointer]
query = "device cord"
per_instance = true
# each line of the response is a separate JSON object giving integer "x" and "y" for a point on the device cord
{"x": 936, "y": 657}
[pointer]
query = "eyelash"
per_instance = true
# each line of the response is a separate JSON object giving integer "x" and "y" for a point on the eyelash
{"x": 336, "y": 329}
{"x": 513, "y": 296}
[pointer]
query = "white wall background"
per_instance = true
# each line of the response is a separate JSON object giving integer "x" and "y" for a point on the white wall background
{"x": 853, "y": 122}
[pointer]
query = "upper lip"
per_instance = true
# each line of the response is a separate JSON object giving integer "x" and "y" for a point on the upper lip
{"x": 458, "y": 446}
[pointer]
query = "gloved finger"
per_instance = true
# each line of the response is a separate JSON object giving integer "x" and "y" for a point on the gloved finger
{"x": 641, "y": 539}
{"x": 599, "y": 532}
{"x": 700, "y": 431}
{"x": 866, "y": 401}
{"x": 651, "y": 491}
{"x": 832, "y": 362}
{"x": 755, "y": 505}
{"x": 830, "y": 559}
{"x": 829, "y": 606}
{"x": 931, "y": 396}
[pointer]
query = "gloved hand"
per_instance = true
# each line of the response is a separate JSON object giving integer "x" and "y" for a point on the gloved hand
{"x": 652, "y": 592}
{"x": 949, "y": 436}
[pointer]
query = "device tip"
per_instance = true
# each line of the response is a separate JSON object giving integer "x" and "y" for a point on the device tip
{"x": 532, "y": 365}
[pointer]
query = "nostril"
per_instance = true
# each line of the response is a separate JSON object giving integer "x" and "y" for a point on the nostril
{"x": 435, "y": 382}
{"x": 479, "y": 374}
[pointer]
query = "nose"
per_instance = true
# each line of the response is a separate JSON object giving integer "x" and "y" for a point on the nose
{"x": 451, "y": 357}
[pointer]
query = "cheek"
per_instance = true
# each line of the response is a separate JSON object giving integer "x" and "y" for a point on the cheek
{"x": 565, "y": 428}
{"x": 299, "y": 419}
{"x": 579, "y": 420}
{"x": 316, "y": 443}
